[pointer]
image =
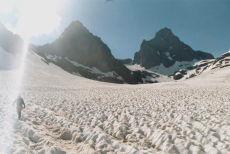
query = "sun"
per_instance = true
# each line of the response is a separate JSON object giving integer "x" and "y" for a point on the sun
{"x": 33, "y": 17}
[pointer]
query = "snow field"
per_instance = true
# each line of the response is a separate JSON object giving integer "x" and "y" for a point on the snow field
{"x": 128, "y": 120}
{"x": 69, "y": 114}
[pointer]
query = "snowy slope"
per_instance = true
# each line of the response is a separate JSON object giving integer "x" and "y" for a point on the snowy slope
{"x": 70, "y": 114}
{"x": 165, "y": 71}
{"x": 175, "y": 67}
{"x": 152, "y": 76}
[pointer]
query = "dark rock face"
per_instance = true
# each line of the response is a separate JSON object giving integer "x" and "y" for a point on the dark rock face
{"x": 177, "y": 76}
{"x": 166, "y": 49}
{"x": 77, "y": 44}
{"x": 180, "y": 74}
{"x": 126, "y": 61}
{"x": 10, "y": 42}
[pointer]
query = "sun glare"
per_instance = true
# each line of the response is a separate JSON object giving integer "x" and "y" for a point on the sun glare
{"x": 6, "y": 6}
{"x": 34, "y": 17}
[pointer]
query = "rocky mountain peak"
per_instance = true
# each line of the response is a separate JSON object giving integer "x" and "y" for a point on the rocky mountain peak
{"x": 166, "y": 35}
{"x": 164, "y": 32}
{"x": 166, "y": 49}
{"x": 77, "y": 25}
{"x": 75, "y": 29}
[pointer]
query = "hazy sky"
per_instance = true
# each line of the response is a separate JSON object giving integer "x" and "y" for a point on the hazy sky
{"x": 123, "y": 24}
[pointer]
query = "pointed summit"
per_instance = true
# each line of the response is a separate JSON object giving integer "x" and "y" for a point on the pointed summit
{"x": 166, "y": 49}
{"x": 77, "y": 25}
{"x": 166, "y": 34}
{"x": 164, "y": 31}
{"x": 76, "y": 28}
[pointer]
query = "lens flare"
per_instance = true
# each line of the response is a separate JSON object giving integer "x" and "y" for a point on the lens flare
{"x": 34, "y": 18}
{"x": 13, "y": 88}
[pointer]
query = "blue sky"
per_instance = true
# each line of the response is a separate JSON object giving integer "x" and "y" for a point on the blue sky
{"x": 123, "y": 24}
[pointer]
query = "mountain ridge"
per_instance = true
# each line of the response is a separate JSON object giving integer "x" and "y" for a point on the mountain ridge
{"x": 79, "y": 45}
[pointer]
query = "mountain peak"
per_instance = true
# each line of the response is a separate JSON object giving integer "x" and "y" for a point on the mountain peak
{"x": 76, "y": 27}
{"x": 165, "y": 30}
{"x": 166, "y": 49}
{"x": 76, "y": 23}
{"x": 165, "y": 33}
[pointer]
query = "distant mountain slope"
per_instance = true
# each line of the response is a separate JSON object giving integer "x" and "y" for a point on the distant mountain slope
{"x": 10, "y": 42}
{"x": 204, "y": 66}
{"x": 11, "y": 46}
{"x": 79, "y": 51}
{"x": 7, "y": 60}
{"x": 165, "y": 53}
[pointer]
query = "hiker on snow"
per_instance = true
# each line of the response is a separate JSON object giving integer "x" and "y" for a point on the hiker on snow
{"x": 20, "y": 105}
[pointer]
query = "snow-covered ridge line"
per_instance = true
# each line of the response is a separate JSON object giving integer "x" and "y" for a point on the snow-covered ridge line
{"x": 204, "y": 66}
{"x": 147, "y": 76}
{"x": 93, "y": 70}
